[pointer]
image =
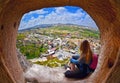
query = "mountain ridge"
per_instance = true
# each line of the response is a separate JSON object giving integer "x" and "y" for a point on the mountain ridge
{"x": 59, "y": 24}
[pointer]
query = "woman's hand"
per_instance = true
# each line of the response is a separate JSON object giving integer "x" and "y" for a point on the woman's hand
{"x": 70, "y": 56}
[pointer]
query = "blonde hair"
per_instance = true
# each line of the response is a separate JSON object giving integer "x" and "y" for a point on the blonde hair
{"x": 86, "y": 52}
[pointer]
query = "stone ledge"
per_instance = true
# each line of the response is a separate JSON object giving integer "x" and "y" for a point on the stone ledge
{"x": 42, "y": 74}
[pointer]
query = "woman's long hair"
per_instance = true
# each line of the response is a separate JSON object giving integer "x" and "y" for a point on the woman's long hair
{"x": 86, "y": 52}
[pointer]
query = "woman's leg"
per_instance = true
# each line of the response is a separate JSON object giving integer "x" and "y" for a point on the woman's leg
{"x": 76, "y": 73}
{"x": 75, "y": 57}
{"x": 72, "y": 66}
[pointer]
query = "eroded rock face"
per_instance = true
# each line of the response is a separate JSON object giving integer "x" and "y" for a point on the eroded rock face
{"x": 106, "y": 14}
{"x": 25, "y": 64}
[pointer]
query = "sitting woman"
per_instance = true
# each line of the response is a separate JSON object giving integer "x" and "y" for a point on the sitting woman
{"x": 81, "y": 66}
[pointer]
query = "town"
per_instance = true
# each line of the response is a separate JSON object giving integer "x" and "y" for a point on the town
{"x": 53, "y": 46}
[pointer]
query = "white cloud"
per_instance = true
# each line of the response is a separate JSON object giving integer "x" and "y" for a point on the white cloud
{"x": 88, "y": 21}
{"x": 41, "y": 11}
{"x": 60, "y": 10}
{"x": 60, "y": 15}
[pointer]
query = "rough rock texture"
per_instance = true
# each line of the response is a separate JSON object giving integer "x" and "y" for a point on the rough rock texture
{"x": 23, "y": 61}
{"x": 106, "y": 14}
{"x": 42, "y": 74}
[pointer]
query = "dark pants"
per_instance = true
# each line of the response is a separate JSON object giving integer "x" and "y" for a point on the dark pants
{"x": 81, "y": 72}
{"x": 76, "y": 73}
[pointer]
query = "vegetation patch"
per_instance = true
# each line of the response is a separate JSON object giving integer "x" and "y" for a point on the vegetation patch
{"x": 54, "y": 62}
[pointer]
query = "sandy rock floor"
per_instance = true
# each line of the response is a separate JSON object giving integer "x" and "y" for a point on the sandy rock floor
{"x": 42, "y": 74}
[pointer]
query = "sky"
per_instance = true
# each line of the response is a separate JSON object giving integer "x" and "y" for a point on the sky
{"x": 55, "y": 15}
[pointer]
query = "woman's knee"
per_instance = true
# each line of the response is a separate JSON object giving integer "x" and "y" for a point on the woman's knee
{"x": 75, "y": 57}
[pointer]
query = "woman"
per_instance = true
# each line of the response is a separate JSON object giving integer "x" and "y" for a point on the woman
{"x": 80, "y": 66}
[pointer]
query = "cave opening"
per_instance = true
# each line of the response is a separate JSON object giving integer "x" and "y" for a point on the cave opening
{"x": 61, "y": 27}
{"x": 105, "y": 14}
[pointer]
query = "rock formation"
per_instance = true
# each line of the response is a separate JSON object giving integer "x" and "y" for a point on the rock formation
{"x": 23, "y": 61}
{"x": 44, "y": 74}
{"x": 106, "y": 14}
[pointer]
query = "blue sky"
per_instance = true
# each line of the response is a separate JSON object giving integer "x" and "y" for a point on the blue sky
{"x": 54, "y": 15}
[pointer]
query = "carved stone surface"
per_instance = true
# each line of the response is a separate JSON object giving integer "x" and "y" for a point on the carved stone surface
{"x": 106, "y": 14}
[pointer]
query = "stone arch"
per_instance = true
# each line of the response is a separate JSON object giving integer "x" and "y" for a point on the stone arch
{"x": 106, "y": 14}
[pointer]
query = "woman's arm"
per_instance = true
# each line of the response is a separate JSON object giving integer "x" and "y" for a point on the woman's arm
{"x": 74, "y": 61}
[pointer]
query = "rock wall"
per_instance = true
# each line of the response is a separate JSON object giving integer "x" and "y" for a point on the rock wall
{"x": 106, "y": 14}
{"x": 23, "y": 61}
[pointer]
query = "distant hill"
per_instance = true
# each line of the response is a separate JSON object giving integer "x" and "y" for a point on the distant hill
{"x": 51, "y": 25}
